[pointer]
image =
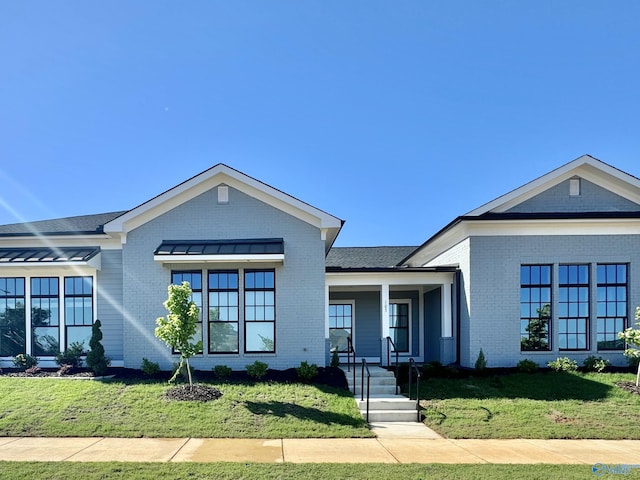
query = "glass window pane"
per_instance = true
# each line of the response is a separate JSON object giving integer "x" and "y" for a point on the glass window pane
{"x": 80, "y": 335}
{"x": 223, "y": 337}
{"x": 260, "y": 336}
{"x": 46, "y": 341}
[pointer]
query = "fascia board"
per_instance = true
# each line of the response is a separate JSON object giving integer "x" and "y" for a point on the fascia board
{"x": 277, "y": 258}
{"x": 586, "y": 166}
{"x": 355, "y": 279}
{"x": 218, "y": 175}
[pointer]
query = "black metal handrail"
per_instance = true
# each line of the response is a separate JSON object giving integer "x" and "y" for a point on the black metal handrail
{"x": 351, "y": 350}
{"x": 365, "y": 366}
{"x": 395, "y": 372}
{"x": 413, "y": 368}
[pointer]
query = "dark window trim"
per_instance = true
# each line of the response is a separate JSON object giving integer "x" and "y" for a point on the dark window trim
{"x": 586, "y": 319}
{"x": 616, "y": 285}
{"x": 76, "y": 295}
{"x": 201, "y": 322}
{"x": 209, "y": 321}
{"x": 529, "y": 318}
{"x": 41, "y": 296}
{"x": 265, "y": 289}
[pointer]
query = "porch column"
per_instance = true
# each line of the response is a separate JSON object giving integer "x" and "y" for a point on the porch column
{"x": 447, "y": 317}
{"x": 326, "y": 311}
{"x": 384, "y": 310}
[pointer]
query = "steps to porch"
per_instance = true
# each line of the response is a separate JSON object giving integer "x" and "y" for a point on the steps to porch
{"x": 385, "y": 405}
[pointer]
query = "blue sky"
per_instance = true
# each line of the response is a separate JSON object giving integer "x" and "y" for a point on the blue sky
{"x": 396, "y": 116}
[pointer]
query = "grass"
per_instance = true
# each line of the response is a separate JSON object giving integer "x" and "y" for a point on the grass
{"x": 63, "y": 408}
{"x": 541, "y": 405}
{"x": 221, "y": 471}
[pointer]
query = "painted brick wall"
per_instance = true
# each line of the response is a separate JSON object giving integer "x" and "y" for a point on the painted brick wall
{"x": 299, "y": 282}
{"x": 493, "y": 324}
{"x": 592, "y": 198}
{"x": 109, "y": 303}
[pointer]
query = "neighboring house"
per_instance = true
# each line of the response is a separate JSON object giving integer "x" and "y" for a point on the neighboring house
{"x": 550, "y": 269}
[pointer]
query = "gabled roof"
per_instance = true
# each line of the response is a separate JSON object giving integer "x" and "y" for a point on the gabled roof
{"x": 224, "y": 175}
{"x": 79, "y": 225}
{"x": 366, "y": 257}
{"x": 586, "y": 167}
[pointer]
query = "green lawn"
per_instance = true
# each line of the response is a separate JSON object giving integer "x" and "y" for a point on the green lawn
{"x": 53, "y": 407}
{"x": 541, "y": 405}
{"x": 221, "y": 471}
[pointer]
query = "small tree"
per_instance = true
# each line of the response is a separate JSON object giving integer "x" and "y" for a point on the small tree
{"x": 632, "y": 337}
{"x": 96, "y": 359}
{"x": 179, "y": 326}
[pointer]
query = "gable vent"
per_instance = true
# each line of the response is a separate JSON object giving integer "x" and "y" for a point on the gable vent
{"x": 223, "y": 194}
{"x": 574, "y": 187}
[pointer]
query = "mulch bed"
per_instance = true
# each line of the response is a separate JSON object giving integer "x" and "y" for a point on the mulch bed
{"x": 199, "y": 393}
{"x": 629, "y": 387}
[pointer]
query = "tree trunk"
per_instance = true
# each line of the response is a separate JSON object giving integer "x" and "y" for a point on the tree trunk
{"x": 189, "y": 373}
{"x": 638, "y": 376}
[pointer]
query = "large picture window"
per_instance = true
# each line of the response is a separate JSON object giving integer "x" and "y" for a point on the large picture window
{"x": 573, "y": 307}
{"x": 535, "y": 307}
{"x": 223, "y": 311}
{"x": 259, "y": 311}
{"x": 340, "y": 326}
{"x": 45, "y": 316}
{"x": 195, "y": 282}
{"x": 78, "y": 310}
{"x": 612, "y": 305}
{"x": 12, "y": 317}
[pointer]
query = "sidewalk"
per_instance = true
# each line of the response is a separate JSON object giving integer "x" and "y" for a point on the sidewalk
{"x": 368, "y": 450}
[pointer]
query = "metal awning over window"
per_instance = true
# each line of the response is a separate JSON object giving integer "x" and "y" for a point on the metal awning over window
{"x": 47, "y": 256}
{"x": 207, "y": 251}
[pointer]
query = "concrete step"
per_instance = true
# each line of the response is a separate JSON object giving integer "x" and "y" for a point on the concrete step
{"x": 394, "y": 402}
{"x": 374, "y": 371}
{"x": 391, "y": 415}
{"x": 373, "y": 381}
{"x": 375, "y": 390}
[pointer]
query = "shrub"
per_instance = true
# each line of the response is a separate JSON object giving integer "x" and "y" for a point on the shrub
{"x": 257, "y": 369}
{"x": 481, "y": 362}
{"x": 307, "y": 372}
{"x": 595, "y": 364}
{"x": 24, "y": 360}
{"x": 149, "y": 368}
{"x": 71, "y": 356}
{"x": 222, "y": 371}
{"x": 335, "y": 358}
{"x": 527, "y": 366}
{"x": 96, "y": 359}
{"x": 563, "y": 364}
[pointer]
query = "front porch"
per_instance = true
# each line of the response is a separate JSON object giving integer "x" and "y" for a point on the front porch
{"x": 414, "y": 308}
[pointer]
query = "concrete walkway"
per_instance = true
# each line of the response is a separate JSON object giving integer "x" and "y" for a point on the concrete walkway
{"x": 368, "y": 450}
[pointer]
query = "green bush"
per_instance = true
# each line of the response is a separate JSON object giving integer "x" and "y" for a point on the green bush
{"x": 481, "y": 362}
{"x": 222, "y": 371}
{"x": 96, "y": 360}
{"x": 563, "y": 364}
{"x": 307, "y": 372}
{"x": 149, "y": 368}
{"x": 335, "y": 358}
{"x": 71, "y": 356}
{"x": 257, "y": 369}
{"x": 527, "y": 366}
{"x": 595, "y": 364}
{"x": 24, "y": 360}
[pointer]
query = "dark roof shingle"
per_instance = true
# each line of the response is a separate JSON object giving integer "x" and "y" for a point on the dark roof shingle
{"x": 84, "y": 224}
{"x": 366, "y": 257}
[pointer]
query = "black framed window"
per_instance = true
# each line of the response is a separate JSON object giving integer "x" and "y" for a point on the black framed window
{"x": 223, "y": 311}
{"x": 340, "y": 326}
{"x": 78, "y": 310}
{"x": 45, "y": 316}
{"x": 259, "y": 311}
{"x": 13, "y": 333}
{"x": 195, "y": 282}
{"x": 612, "y": 305}
{"x": 399, "y": 325}
{"x": 573, "y": 307}
{"x": 535, "y": 307}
